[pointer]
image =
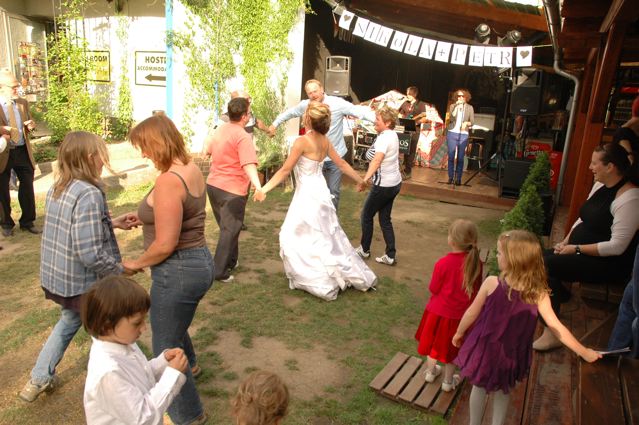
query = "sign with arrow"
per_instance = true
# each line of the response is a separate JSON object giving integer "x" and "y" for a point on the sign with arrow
{"x": 150, "y": 69}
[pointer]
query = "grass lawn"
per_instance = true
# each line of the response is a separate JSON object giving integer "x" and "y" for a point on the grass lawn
{"x": 327, "y": 352}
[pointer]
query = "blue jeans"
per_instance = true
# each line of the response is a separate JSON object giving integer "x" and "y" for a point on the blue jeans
{"x": 53, "y": 350}
{"x": 179, "y": 283}
{"x": 380, "y": 200}
{"x": 456, "y": 144}
{"x": 333, "y": 177}
{"x": 626, "y": 330}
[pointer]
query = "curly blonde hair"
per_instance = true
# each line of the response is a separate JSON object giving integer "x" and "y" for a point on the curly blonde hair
{"x": 261, "y": 399}
{"x": 523, "y": 266}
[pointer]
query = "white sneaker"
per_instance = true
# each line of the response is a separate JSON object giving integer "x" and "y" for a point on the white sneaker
{"x": 430, "y": 376}
{"x": 385, "y": 259}
{"x": 229, "y": 279}
{"x": 450, "y": 386}
{"x": 360, "y": 251}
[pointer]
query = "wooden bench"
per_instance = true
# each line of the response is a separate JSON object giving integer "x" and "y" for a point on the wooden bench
{"x": 608, "y": 390}
{"x": 402, "y": 380}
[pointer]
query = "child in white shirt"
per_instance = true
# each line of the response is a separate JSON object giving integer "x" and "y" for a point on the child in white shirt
{"x": 122, "y": 386}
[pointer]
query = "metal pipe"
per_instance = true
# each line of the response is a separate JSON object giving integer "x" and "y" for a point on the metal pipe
{"x": 551, "y": 10}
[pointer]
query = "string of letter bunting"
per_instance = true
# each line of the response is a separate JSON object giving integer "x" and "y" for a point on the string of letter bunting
{"x": 442, "y": 51}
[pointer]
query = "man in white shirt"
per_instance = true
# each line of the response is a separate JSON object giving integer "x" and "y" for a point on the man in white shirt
{"x": 340, "y": 109}
{"x": 15, "y": 119}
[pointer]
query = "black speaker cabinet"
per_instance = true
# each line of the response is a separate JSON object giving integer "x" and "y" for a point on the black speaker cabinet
{"x": 525, "y": 100}
{"x": 515, "y": 172}
{"x": 337, "y": 79}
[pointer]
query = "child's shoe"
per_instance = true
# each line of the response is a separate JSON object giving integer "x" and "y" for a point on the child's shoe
{"x": 431, "y": 375}
{"x": 450, "y": 386}
{"x": 31, "y": 391}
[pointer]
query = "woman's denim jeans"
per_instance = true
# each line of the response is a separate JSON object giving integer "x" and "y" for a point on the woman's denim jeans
{"x": 179, "y": 283}
{"x": 457, "y": 143}
{"x": 57, "y": 343}
{"x": 626, "y": 330}
{"x": 379, "y": 200}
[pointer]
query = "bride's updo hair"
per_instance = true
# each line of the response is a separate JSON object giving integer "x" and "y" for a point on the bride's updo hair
{"x": 319, "y": 116}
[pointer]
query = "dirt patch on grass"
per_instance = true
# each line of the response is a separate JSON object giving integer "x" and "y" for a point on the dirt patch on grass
{"x": 306, "y": 372}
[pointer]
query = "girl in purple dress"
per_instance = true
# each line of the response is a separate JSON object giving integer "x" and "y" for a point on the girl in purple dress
{"x": 497, "y": 351}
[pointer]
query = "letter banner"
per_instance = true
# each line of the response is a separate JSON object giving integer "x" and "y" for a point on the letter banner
{"x": 399, "y": 41}
{"x": 346, "y": 19}
{"x": 439, "y": 50}
{"x": 524, "y": 56}
{"x": 360, "y": 27}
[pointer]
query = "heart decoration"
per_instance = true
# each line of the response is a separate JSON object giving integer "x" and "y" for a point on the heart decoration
{"x": 347, "y": 18}
{"x": 524, "y": 53}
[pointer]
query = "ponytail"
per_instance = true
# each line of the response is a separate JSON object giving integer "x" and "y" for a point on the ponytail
{"x": 472, "y": 269}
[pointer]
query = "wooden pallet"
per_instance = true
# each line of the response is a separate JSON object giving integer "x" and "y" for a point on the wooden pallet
{"x": 402, "y": 380}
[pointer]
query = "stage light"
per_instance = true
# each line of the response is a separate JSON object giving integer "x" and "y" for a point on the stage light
{"x": 482, "y": 33}
{"x": 511, "y": 38}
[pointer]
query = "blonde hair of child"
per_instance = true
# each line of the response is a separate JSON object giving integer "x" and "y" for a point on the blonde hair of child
{"x": 463, "y": 234}
{"x": 74, "y": 162}
{"x": 261, "y": 399}
{"x": 523, "y": 265}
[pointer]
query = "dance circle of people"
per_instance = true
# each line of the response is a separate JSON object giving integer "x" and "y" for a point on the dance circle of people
{"x": 483, "y": 329}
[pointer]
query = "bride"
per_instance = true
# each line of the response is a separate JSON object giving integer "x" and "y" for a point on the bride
{"x": 317, "y": 255}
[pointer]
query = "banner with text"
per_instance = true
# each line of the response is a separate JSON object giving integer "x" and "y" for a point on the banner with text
{"x": 442, "y": 51}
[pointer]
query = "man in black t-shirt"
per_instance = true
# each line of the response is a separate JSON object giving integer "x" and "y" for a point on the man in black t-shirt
{"x": 412, "y": 108}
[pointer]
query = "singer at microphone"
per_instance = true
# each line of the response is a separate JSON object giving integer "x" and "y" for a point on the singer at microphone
{"x": 462, "y": 117}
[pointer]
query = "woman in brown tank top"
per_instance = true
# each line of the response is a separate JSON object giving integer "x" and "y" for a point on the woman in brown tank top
{"x": 175, "y": 249}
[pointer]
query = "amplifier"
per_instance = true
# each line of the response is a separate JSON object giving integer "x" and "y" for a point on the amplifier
{"x": 365, "y": 139}
{"x": 404, "y": 143}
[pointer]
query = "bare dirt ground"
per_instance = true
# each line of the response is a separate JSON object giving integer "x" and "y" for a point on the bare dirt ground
{"x": 420, "y": 227}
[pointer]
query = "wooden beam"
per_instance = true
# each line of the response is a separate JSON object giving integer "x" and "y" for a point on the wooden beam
{"x": 584, "y": 8}
{"x": 579, "y": 41}
{"x": 574, "y": 150}
{"x": 620, "y": 11}
{"x": 457, "y": 8}
{"x": 581, "y": 25}
{"x": 606, "y": 73}
{"x": 607, "y": 62}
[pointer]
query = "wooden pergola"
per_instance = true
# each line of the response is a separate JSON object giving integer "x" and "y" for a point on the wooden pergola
{"x": 596, "y": 37}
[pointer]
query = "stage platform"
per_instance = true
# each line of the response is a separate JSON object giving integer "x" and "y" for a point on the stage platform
{"x": 431, "y": 183}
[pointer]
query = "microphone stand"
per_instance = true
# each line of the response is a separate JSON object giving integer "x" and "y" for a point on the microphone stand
{"x": 504, "y": 127}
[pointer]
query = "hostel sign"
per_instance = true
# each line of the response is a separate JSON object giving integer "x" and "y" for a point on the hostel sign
{"x": 98, "y": 65}
{"x": 150, "y": 69}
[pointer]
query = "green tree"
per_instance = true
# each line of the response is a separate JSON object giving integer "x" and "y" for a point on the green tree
{"x": 243, "y": 37}
{"x": 124, "y": 112}
{"x": 70, "y": 105}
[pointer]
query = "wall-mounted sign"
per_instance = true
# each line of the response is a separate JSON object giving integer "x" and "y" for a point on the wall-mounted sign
{"x": 98, "y": 65}
{"x": 150, "y": 69}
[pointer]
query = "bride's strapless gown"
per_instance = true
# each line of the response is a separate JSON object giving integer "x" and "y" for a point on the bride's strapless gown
{"x": 317, "y": 255}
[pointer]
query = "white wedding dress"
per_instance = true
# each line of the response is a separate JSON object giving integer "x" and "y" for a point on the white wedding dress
{"x": 317, "y": 255}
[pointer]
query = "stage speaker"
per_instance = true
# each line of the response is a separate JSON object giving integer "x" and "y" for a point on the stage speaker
{"x": 525, "y": 100}
{"x": 337, "y": 78}
{"x": 515, "y": 172}
{"x": 484, "y": 128}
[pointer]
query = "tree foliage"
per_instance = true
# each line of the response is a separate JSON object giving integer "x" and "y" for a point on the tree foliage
{"x": 69, "y": 105}
{"x": 243, "y": 37}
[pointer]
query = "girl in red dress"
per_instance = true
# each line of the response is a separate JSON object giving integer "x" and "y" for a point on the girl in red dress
{"x": 454, "y": 283}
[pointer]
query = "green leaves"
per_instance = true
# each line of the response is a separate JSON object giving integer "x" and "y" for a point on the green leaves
{"x": 69, "y": 105}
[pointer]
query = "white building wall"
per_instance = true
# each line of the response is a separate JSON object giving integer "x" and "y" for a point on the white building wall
{"x": 147, "y": 32}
